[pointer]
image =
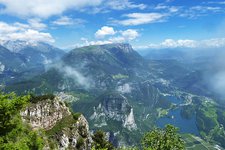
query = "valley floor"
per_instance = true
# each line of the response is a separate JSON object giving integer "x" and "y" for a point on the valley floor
{"x": 196, "y": 143}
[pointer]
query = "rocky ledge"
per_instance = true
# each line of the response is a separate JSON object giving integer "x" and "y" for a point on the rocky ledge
{"x": 64, "y": 129}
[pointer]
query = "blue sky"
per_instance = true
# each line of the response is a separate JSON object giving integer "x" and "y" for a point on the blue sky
{"x": 143, "y": 23}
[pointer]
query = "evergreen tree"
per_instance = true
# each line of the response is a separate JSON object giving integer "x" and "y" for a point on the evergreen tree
{"x": 100, "y": 142}
{"x": 14, "y": 134}
{"x": 163, "y": 139}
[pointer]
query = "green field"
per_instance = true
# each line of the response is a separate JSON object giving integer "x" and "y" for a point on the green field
{"x": 196, "y": 143}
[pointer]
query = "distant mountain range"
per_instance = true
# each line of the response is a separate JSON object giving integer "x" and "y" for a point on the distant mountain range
{"x": 117, "y": 89}
{"x": 27, "y": 58}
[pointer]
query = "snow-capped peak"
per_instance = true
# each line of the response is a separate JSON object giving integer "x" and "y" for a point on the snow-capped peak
{"x": 18, "y": 45}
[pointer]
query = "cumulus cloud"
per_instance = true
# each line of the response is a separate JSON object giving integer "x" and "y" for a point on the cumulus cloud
{"x": 44, "y": 8}
{"x": 67, "y": 21}
{"x": 86, "y": 42}
{"x": 31, "y": 35}
{"x": 140, "y": 18}
{"x": 48, "y": 8}
{"x": 130, "y": 34}
{"x": 26, "y": 32}
{"x": 104, "y": 31}
{"x": 120, "y": 37}
{"x": 186, "y": 43}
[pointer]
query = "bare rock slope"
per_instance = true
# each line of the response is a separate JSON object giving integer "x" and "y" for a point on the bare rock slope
{"x": 64, "y": 129}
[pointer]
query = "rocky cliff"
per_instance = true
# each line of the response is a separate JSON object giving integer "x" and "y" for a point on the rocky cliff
{"x": 114, "y": 106}
{"x": 64, "y": 129}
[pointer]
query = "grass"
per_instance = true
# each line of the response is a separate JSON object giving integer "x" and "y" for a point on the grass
{"x": 162, "y": 112}
{"x": 63, "y": 123}
{"x": 120, "y": 76}
{"x": 36, "y": 99}
{"x": 195, "y": 143}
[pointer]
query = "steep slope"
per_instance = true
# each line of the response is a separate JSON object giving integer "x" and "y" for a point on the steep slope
{"x": 36, "y": 53}
{"x": 64, "y": 130}
{"x": 106, "y": 64}
{"x": 102, "y": 60}
{"x": 91, "y": 74}
{"x": 21, "y": 60}
{"x": 11, "y": 64}
{"x": 6, "y": 58}
{"x": 115, "y": 107}
{"x": 120, "y": 92}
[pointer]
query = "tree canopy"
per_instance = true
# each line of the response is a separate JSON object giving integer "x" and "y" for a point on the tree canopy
{"x": 163, "y": 139}
{"x": 14, "y": 134}
{"x": 100, "y": 142}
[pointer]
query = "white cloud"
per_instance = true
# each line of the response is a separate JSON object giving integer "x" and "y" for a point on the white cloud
{"x": 104, "y": 31}
{"x": 44, "y": 8}
{"x": 48, "y": 8}
{"x": 112, "y": 40}
{"x": 216, "y": 42}
{"x": 130, "y": 34}
{"x": 198, "y": 11}
{"x": 206, "y": 8}
{"x": 5, "y": 28}
{"x": 192, "y": 12}
{"x": 171, "y": 9}
{"x": 170, "y": 43}
{"x": 31, "y": 35}
{"x": 67, "y": 21}
{"x": 140, "y": 18}
{"x": 121, "y": 37}
{"x": 186, "y": 43}
{"x": 220, "y": 3}
{"x": 168, "y": 1}
{"x": 124, "y": 4}
{"x": 26, "y": 32}
{"x": 36, "y": 24}
{"x": 64, "y": 20}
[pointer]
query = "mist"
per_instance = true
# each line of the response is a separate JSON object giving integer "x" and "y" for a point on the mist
{"x": 217, "y": 77}
{"x": 209, "y": 61}
{"x": 69, "y": 72}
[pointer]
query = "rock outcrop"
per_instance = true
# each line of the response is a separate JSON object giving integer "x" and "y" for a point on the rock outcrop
{"x": 116, "y": 107}
{"x": 2, "y": 68}
{"x": 64, "y": 130}
{"x": 76, "y": 136}
{"x": 45, "y": 114}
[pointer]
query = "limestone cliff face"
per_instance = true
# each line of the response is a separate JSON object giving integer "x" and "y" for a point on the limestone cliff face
{"x": 116, "y": 107}
{"x": 61, "y": 128}
{"x": 146, "y": 93}
{"x": 45, "y": 114}
{"x": 76, "y": 136}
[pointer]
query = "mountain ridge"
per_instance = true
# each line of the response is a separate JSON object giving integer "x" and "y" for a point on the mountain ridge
{"x": 103, "y": 78}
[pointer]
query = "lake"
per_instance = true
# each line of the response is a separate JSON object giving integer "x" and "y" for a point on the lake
{"x": 174, "y": 117}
